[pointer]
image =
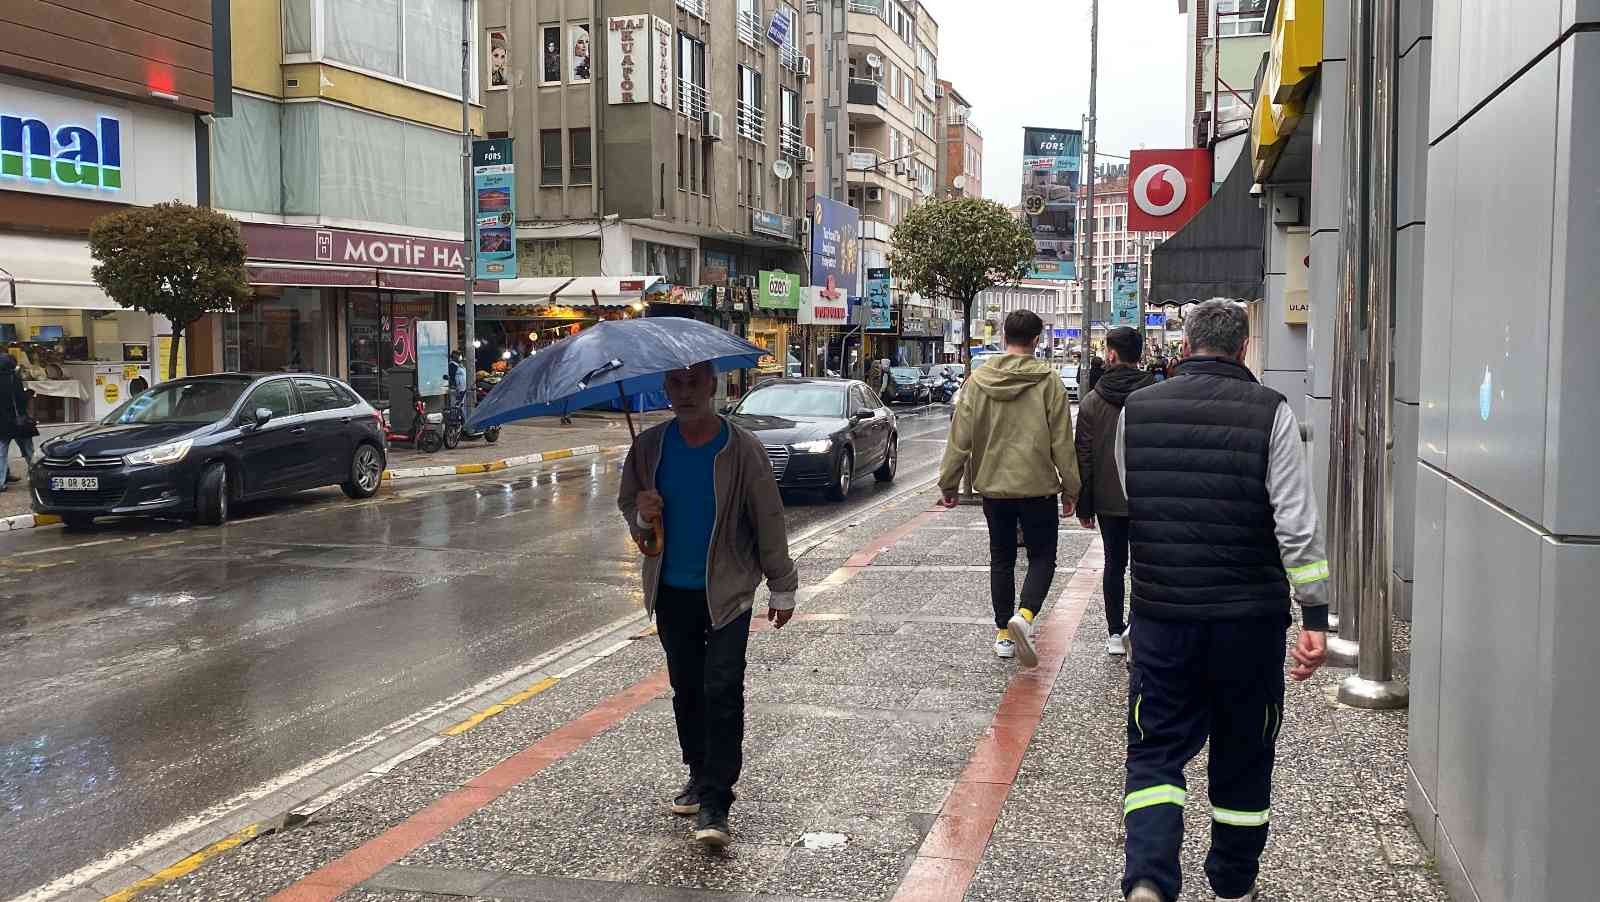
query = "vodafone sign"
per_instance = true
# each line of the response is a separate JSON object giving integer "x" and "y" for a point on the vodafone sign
{"x": 1166, "y": 188}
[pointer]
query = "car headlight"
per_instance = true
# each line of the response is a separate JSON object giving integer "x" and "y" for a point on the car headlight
{"x": 820, "y": 446}
{"x": 161, "y": 454}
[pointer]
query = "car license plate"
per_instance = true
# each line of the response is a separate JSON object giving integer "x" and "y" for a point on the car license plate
{"x": 74, "y": 483}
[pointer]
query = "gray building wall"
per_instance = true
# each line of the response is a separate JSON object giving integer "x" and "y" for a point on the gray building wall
{"x": 1507, "y": 552}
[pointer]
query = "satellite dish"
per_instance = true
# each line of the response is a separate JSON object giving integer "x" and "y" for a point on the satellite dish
{"x": 874, "y": 61}
{"x": 783, "y": 169}
{"x": 959, "y": 182}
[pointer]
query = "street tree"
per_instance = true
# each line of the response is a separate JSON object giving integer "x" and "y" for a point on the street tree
{"x": 957, "y": 248}
{"x": 172, "y": 259}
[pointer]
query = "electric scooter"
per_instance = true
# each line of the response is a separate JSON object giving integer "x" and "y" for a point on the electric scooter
{"x": 456, "y": 429}
{"x": 423, "y": 431}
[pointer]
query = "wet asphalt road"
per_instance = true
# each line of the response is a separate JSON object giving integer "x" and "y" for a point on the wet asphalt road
{"x": 152, "y": 670}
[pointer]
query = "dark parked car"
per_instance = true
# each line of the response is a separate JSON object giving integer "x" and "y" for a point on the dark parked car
{"x": 196, "y": 446}
{"x": 821, "y": 433}
{"x": 906, "y": 386}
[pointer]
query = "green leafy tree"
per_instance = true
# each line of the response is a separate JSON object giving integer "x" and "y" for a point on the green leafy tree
{"x": 172, "y": 259}
{"x": 957, "y": 248}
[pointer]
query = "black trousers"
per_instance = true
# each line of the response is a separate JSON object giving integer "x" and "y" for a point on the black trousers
{"x": 1114, "y": 535}
{"x": 1191, "y": 681}
{"x": 706, "y": 669}
{"x": 1037, "y": 517}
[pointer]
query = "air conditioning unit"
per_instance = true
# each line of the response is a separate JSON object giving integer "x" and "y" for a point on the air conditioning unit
{"x": 874, "y": 195}
{"x": 714, "y": 126}
{"x": 810, "y": 154}
{"x": 900, "y": 168}
{"x": 748, "y": 282}
{"x": 805, "y": 67}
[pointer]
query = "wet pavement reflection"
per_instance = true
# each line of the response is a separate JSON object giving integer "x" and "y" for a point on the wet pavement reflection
{"x": 152, "y": 670}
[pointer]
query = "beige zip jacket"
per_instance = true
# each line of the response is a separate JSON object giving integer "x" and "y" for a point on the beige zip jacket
{"x": 749, "y": 539}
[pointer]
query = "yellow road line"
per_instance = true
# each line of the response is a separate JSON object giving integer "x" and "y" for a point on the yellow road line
{"x": 492, "y": 710}
{"x": 173, "y": 872}
{"x": 563, "y": 454}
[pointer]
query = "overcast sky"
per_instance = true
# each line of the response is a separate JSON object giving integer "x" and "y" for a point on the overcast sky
{"x": 1026, "y": 62}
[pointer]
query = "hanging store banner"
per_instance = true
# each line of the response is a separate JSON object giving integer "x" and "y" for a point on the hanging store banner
{"x": 494, "y": 194}
{"x": 1166, "y": 188}
{"x": 778, "y": 290}
{"x": 627, "y": 59}
{"x": 1124, "y": 294}
{"x": 661, "y": 63}
{"x": 817, "y": 309}
{"x": 880, "y": 310}
{"x": 835, "y": 247}
{"x": 1052, "y": 165}
{"x": 780, "y": 29}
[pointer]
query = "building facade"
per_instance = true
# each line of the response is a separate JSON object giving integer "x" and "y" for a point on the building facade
{"x": 342, "y": 160}
{"x": 961, "y": 156}
{"x": 97, "y": 114}
{"x": 1226, "y": 39}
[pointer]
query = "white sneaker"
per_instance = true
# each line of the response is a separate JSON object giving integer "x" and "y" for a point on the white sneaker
{"x": 1114, "y": 645}
{"x": 1005, "y": 648}
{"x": 1145, "y": 891}
{"x": 1022, "y": 638}
{"x": 1247, "y": 897}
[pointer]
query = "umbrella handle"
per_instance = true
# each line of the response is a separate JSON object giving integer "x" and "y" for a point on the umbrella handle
{"x": 652, "y": 543}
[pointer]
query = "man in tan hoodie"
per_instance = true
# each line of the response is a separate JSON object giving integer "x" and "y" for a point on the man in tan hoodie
{"x": 1013, "y": 426}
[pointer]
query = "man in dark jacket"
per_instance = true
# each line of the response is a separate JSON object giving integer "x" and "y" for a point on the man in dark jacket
{"x": 1102, "y": 496}
{"x": 1224, "y": 532}
{"x": 15, "y": 424}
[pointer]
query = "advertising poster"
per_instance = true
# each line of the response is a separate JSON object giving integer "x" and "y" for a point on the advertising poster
{"x": 1125, "y": 308}
{"x": 627, "y": 60}
{"x": 835, "y": 247}
{"x": 578, "y": 53}
{"x": 499, "y": 59}
{"x": 550, "y": 56}
{"x": 817, "y": 309}
{"x": 433, "y": 352}
{"x": 495, "y": 208}
{"x": 661, "y": 64}
{"x": 1052, "y": 166}
{"x": 880, "y": 310}
{"x": 778, "y": 290}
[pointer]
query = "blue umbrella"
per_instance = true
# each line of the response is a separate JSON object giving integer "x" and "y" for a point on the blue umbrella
{"x": 611, "y": 360}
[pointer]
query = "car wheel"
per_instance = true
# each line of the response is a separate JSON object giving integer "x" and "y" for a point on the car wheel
{"x": 211, "y": 499}
{"x": 430, "y": 441}
{"x": 452, "y": 437}
{"x": 492, "y": 434}
{"x": 891, "y": 462}
{"x": 366, "y": 472}
{"x": 844, "y": 472}
{"x": 77, "y": 522}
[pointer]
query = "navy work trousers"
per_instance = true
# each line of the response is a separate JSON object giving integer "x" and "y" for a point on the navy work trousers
{"x": 1191, "y": 681}
{"x": 706, "y": 670}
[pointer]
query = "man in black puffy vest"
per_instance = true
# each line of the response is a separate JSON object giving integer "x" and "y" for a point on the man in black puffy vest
{"x": 1223, "y": 528}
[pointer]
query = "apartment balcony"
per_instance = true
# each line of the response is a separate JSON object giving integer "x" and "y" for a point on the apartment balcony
{"x": 693, "y": 100}
{"x": 693, "y": 7}
{"x": 791, "y": 57}
{"x": 750, "y": 30}
{"x": 792, "y": 142}
{"x": 752, "y": 122}
{"x": 867, "y": 98}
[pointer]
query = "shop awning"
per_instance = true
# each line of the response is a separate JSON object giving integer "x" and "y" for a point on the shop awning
{"x": 311, "y": 276}
{"x": 1220, "y": 253}
{"x": 611, "y": 291}
{"x": 49, "y": 272}
{"x": 520, "y": 292}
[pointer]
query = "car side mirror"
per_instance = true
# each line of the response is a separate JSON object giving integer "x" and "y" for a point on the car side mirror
{"x": 260, "y": 418}
{"x": 728, "y": 408}
{"x": 860, "y": 415}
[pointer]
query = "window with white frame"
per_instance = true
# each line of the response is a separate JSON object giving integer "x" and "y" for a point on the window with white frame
{"x": 904, "y": 23}
{"x": 750, "y": 30}
{"x": 693, "y": 98}
{"x": 1241, "y": 17}
{"x": 752, "y": 107}
{"x": 791, "y": 137}
{"x": 414, "y": 41}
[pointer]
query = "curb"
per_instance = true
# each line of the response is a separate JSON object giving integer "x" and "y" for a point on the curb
{"x": 493, "y": 466}
{"x": 28, "y": 521}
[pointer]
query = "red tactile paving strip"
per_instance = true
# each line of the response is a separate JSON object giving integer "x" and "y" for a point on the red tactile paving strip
{"x": 948, "y": 859}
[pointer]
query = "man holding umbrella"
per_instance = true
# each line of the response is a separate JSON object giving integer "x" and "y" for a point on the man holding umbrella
{"x": 707, "y": 487}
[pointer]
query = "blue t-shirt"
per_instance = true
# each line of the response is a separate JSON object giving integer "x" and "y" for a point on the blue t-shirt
{"x": 688, "y": 493}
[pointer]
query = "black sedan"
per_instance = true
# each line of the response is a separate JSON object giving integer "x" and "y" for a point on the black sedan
{"x": 821, "y": 433}
{"x": 193, "y": 447}
{"x": 906, "y": 386}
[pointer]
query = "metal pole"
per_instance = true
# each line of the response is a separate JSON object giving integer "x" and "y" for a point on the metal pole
{"x": 1344, "y": 448}
{"x": 469, "y": 266}
{"x": 1086, "y": 278}
{"x": 1374, "y": 685}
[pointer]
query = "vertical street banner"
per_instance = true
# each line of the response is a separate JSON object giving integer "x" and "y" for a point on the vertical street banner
{"x": 494, "y": 199}
{"x": 1052, "y": 166}
{"x": 628, "y": 76}
{"x": 880, "y": 310}
{"x": 1125, "y": 294}
{"x": 835, "y": 248}
{"x": 661, "y": 63}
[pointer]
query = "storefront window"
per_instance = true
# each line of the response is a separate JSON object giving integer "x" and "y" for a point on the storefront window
{"x": 675, "y": 264}
{"x": 381, "y": 328}
{"x": 277, "y": 330}
{"x": 67, "y": 357}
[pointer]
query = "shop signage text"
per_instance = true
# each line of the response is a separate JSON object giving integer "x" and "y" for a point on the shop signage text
{"x": 661, "y": 64}
{"x": 1166, "y": 188}
{"x": 626, "y": 63}
{"x": 298, "y": 244}
{"x": 772, "y": 224}
{"x": 816, "y": 309}
{"x": 778, "y": 290}
{"x": 73, "y": 156}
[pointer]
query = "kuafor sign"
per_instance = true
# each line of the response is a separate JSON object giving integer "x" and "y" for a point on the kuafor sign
{"x": 1166, "y": 188}
{"x": 346, "y": 247}
{"x": 818, "y": 309}
{"x": 628, "y": 73}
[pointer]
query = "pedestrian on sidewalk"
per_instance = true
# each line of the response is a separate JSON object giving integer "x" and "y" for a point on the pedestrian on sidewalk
{"x": 16, "y": 424}
{"x": 1013, "y": 426}
{"x": 1101, "y": 498}
{"x": 709, "y": 485}
{"x": 1223, "y": 523}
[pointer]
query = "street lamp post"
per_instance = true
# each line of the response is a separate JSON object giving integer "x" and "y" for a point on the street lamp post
{"x": 469, "y": 264}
